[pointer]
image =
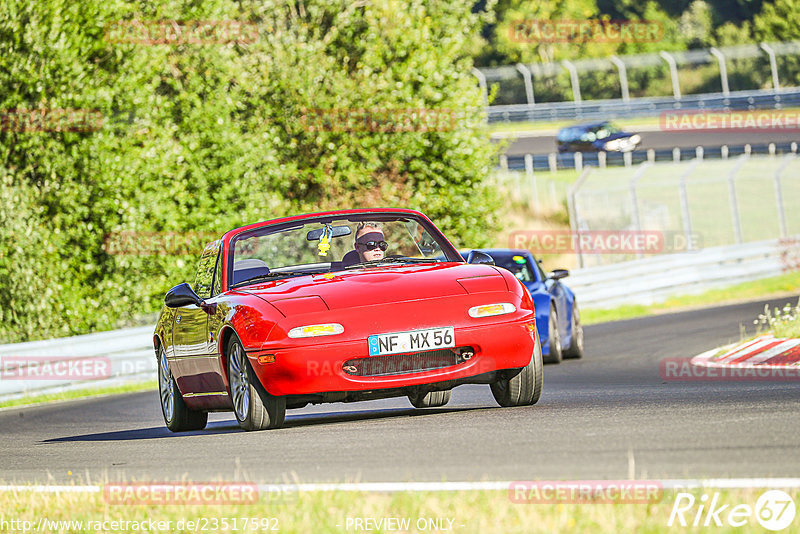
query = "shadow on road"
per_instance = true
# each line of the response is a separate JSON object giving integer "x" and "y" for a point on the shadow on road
{"x": 295, "y": 421}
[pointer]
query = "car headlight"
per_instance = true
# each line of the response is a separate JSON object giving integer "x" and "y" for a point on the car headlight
{"x": 316, "y": 330}
{"x": 490, "y": 310}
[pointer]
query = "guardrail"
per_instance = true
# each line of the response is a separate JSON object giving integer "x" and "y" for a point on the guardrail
{"x": 129, "y": 352}
{"x": 102, "y": 359}
{"x": 649, "y": 280}
{"x": 576, "y": 160}
{"x": 642, "y": 107}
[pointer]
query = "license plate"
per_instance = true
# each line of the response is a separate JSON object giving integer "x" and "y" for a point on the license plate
{"x": 413, "y": 341}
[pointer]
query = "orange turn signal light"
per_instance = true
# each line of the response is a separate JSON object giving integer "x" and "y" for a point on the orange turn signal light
{"x": 266, "y": 358}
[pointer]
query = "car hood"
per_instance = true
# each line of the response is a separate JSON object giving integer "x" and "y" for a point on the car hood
{"x": 376, "y": 285}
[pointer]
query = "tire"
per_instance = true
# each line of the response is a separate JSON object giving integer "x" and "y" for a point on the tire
{"x": 254, "y": 408}
{"x": 432, "y": 399}
{"x": 525, "y": 387}
{"x": 177, "y": 416}
{"x": 575, "y": 349}
{"x": 553, "y": 338}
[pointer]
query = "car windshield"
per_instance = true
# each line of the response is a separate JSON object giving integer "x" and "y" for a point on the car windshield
{"x": 605, "y": 130}
{"x": 320, "y": 247}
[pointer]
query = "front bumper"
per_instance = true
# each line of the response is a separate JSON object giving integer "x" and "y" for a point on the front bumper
{"x": 318, "y": 368}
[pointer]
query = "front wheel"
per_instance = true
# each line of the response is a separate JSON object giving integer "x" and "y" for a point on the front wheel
{"x": 431, "y": 399}
{"x": 525, "y": 387}
{"x": 177, "y": 416}
{"x": 255, "y": 409}
{"x": 575, "y": 349}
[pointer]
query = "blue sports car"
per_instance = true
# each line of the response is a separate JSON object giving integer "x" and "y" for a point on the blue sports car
{"x": 558, "y": 319}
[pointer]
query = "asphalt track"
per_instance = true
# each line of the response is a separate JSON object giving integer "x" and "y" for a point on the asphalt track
{"x": 658, "y": 139}
{"x": 594, "y": 414}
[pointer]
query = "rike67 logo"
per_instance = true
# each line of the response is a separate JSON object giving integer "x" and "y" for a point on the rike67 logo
{"x": 774, "y": 510}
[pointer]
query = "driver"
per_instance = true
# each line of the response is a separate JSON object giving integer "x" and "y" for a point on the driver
{"x": 370, "y": 243}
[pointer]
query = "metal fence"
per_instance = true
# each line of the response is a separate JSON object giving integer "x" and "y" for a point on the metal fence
{"x": 49, "y": 366}
{"x": 650, "y": 280}
{"x": 699, "y": 203}
{"x": 555, "y": 161}
{"x": 741, "y": 72}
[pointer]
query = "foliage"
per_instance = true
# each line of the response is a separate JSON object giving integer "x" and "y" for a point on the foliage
{"x": 782, "y": 322}
{"x": 200, "y": 138}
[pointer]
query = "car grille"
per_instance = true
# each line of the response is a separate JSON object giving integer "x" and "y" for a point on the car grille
{"x": 398, "y": 364}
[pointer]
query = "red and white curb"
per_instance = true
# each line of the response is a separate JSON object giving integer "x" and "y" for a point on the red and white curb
{"x": 763, "y": 352}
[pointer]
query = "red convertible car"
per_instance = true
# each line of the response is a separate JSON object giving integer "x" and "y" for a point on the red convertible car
{"x": 337, "y": 307}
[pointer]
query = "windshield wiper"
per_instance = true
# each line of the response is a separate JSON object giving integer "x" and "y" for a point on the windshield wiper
{"x": 269, "y": 276}
{"x": 396, "y": 259}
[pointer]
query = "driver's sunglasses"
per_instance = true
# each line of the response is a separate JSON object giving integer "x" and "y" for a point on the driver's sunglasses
{"x": 372, "y": 245}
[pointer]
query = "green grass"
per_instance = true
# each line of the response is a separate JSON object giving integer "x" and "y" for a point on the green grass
{"x": 149, "y": 385}
{"x": 329, "y": 512}
{"x": 760, "y": 289}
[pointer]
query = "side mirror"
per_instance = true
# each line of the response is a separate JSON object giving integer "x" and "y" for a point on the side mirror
{"x": 558, "y": 274}
{"x": 182, "y": 295}
{"x": 479, "y": 258}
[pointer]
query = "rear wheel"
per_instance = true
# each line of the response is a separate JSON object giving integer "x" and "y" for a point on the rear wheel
{"x": 575, "y": 349}
{"x": 525, "y": 387}
{"x": 177, "y": 416}
{"x": 431, "y": 399}
{"x": 553, "y": 338}
{"x": 255, "y": 409}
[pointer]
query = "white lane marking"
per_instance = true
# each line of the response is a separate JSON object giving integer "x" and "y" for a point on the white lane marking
{"x": 389, "y": 487}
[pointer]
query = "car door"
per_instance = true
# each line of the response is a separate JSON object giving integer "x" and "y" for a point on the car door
{"x": 194, "y": 365}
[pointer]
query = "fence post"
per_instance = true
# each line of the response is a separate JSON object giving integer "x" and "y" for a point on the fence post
{"x": 637, "y": 223}
{"x": 676, "y": 154}
{"x": 572, "y": 207}
{"x": 526, "y": 76}
{"x": 482, "y": 82}
{"x": 552, "y": 161}
{"x": 723, "y": 70}
{"x": 578, "y": 159}
{"x": 779, "y": 194}
{"x": 504, "y": 162}
{"x": 723, "y": 151}
{"x": 737, "y": 222}
{"x": 601, "y": 159}
{"x": 573, "y": 76}
{"x": 532, "y": 179}
{"x": 623, "y": 77}
{"x": 773, "y": 65}
{"x": 673, "y": 73}
{"x": 684, "y": 194}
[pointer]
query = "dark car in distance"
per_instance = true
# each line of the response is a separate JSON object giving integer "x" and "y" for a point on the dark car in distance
{"x": 599, "y": 136}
